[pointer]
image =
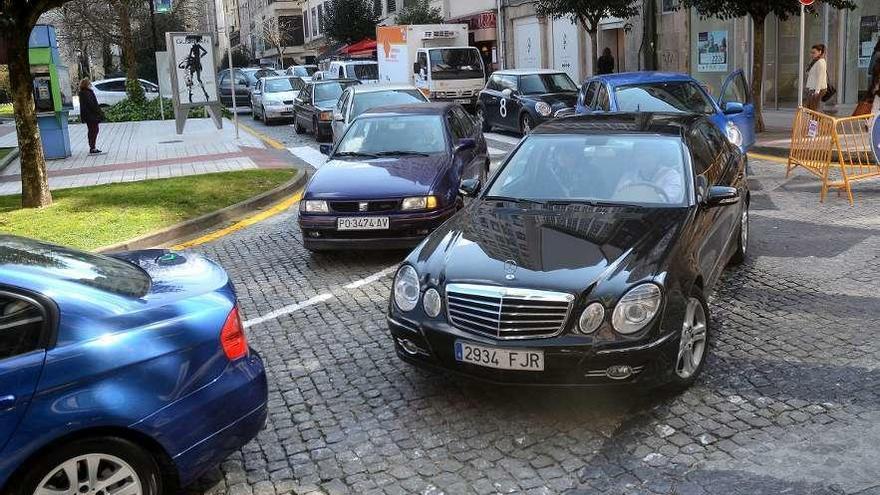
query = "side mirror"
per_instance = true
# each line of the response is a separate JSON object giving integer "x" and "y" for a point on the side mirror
{"x": 469, "y": 187}
{"x": 732, "y": 107}
{"x": 722, "y": 196}
{"x": 325, "y": 149}
{"x": 337, "y": 117}
{"x": 507, "y": 93}
{"x": 465, "y": 144}
{"x": 416, "y": 68}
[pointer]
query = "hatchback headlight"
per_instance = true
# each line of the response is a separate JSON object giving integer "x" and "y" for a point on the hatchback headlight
{"x": 419, "y": 203}
{"x": 543, "y": 109}
{"x": 431, "y": 302}
{"x": 591, "y": 318}
{"x": 315, "y": 206}
{"x": 406, "y": 288}
{"x": 733, "y": 134}
{"x": 636, "y": 308}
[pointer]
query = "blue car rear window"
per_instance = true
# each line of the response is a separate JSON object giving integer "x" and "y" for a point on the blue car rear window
{"x": 94, "y": 270}
{"x": 673, "y": 96}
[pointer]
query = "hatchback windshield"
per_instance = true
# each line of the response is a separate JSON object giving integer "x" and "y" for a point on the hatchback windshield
{"x": 364, "y": 72}
{"x": 366, "y": 101}
{"x": 331, "y": 90}
{"x": 535, "y": 84}
{"x": 618, "y": 169}
{"x": 676, "y": 96}
{"x": 282, "y": 85}
{"x": 418, "y": 134}
{"x": 456, "y": 63}
{"x": 101, "y": 272}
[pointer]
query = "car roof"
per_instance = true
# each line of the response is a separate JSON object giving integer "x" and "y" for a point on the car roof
{"x": 327, "y": 81}
{"x": 525, "y": 72}
{"x": 430, "y": 108}
{"x": 357, "y": 62}
{"x": 285, "y": 76}
{"x": 669, "y": 124}
{"x": 375, "y": 88}
{"x": 114, "y": 79}
{"x": 621, "y": 78}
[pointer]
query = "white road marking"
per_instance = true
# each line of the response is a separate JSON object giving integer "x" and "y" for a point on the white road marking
{"x": 290, "y": 308}
{"x": 309, "y": 155}
{"x": 501, "y": 137}
{"x": 293, "y": 308}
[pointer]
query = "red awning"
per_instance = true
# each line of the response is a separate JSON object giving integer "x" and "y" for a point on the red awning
{"x": 363, "y": 47}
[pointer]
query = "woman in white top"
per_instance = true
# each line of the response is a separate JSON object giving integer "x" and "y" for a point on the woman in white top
{"x": 817, "y": 78}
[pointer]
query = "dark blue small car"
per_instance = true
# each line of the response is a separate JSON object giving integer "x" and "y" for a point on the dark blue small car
{"x": 732, "y": 111}
{"x": 128, "y": 373}
{"x": 393, "y": 177}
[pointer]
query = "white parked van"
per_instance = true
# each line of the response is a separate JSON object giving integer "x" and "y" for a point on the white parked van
{"x": 365, "y": 71}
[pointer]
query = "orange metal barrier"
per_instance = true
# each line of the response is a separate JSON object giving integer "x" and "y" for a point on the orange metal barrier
{"x": 836, "y": 150}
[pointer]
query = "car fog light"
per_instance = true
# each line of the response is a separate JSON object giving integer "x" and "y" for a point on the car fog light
{"x": 432, "y": 303}
{"x": 591, "y": 318}
{"x": 619, "y": 372}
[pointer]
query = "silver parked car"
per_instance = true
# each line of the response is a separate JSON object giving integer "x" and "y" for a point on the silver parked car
{"x": 360, "y": 98}
{"x": 272, "y": 97}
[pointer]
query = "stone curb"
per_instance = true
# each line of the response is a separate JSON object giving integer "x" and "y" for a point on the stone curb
{"x": 208, "y": 220}
{"x": 5, "y": 161}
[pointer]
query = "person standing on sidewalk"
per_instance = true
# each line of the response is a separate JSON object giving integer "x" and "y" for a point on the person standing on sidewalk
{"x": 90, "y": 112}
{"x": 874, "y": 87}
{"x": 817, "y": 78}
{"x": 605, "y": 64}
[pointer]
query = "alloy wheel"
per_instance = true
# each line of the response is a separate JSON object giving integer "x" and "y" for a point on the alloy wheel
{"x": 692, "y": 347}
{"x": 526, "y": 125}
{"x": 91, "y": 474}
{"x": 744, "y": 229}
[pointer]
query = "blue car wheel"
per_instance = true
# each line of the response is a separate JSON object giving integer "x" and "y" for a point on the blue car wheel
{"x": 95, "y": 466}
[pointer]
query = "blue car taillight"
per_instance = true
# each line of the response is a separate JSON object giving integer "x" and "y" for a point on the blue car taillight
{"x": 232, "y": 337}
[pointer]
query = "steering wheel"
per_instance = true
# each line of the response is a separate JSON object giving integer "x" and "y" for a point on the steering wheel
{"x": 649, "y": 185}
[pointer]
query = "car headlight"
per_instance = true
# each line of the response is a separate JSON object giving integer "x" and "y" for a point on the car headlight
{"x": 419, "y": 203}
{"x": 636, "y": 308}
{"x": 543, "y": 109}
{"x": 274, "y": 103}
{"x": 325, "y": 116}
{"x": 431, "y": 302}
{"x": 733, "y": 134}
{"x": 315, "y": 206}
{"x": 591, "y": 318}
{"x": 406, "y": 288}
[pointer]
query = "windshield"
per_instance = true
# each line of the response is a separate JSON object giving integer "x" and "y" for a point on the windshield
{"x": 456, "y": 63}
{"x": 281, "y": 85}
{"x": 618, "y": 169}
{"x": 677, "y": 96}
{"x": 304, "y": 70}
{"x": 330, "y": 90}
{"x": 535, "y": 84}
{"x": 386, "y": 135}
{"x": 366, "y": 101}
{"x": 364, "y": 71}
{"x": 101, "y": 272}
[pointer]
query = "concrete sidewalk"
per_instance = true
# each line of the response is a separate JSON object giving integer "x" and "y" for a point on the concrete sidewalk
{"x": 776, "y": 139}
{"x": 147, "y": 150}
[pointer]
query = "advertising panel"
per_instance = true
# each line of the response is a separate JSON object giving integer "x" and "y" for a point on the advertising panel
{"x": 193, "y": 59}
{"x": 393, "y": 54}
{"x": 869, "y": 32}
{"x": 712, "y": 51}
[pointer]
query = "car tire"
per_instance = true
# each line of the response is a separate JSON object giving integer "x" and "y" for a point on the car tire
{"x": 316, "y": 130}
{"x": 263, "y": 114}
{"x": 254, "y": 115}
{"x": 113, "y": 455}
{"x": 485, "y": 126}
{"x": 525, "y": 124}
{"x": 742, "y": 237}
{"x": 297, "y": 128}
{"x": 695, "y": 338}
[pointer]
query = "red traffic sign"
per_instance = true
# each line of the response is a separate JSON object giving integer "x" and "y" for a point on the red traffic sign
{"x": 807, "y": 2}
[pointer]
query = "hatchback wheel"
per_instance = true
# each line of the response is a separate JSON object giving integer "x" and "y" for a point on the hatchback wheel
{"x": 97, "y": 466}
{"x": 525, "y": 124}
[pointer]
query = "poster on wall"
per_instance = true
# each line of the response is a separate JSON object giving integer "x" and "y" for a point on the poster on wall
{"x": 527, "y": 42}
{"x": 712, "y": 51}
{"x": 566, "y": 56}
{"x": 193, "y": 63}
{"x": 869, "y": 33}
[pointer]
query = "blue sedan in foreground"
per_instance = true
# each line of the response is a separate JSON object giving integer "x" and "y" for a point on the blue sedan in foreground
{"x": 393, "y": 177}
{"x": 128, "y": 373}
{"x": 731, "y": 110}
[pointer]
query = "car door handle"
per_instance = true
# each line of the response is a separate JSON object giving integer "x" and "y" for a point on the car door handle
{"x": 7, "y": 402}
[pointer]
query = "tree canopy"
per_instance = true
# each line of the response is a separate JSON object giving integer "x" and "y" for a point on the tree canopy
{"x": 349, "y": 21}
{"x": 419, "y": 12}
{"x": 757, "y": 9}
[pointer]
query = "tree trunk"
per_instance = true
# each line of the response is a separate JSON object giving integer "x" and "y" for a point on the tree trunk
{"x": 758, "y": 72}
{"x": 594, "y": 40}
{"x": 128, "y": 50}
{"x": 34, "y": 181}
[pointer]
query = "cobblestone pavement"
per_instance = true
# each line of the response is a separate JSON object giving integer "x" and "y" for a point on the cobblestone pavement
{"x": 788, "y": 403}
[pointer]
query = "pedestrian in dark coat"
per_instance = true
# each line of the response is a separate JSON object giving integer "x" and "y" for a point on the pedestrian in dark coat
{"x": 90, "y": 112}
{"x": 605, "y": 64}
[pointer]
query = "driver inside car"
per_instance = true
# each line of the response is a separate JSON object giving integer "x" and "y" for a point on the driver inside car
{"x": 652, "y": 177}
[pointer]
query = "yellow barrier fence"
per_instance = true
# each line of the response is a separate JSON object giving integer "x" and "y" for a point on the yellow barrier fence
{"x": 836, "y": 150}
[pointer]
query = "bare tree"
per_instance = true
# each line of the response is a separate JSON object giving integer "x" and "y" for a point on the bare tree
{"x": 277, "y": 33}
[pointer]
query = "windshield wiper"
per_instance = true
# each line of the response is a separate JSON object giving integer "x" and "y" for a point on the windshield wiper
{"x": 355, "y": 153}
{"x": 513, "y": 200}
{"x": 404, "y": 152}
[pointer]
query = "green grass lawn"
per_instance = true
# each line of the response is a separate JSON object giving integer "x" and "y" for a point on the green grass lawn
{"x": 4, "y": 152}
{"x": 6, "y": 110}
{"x": 96, "y": 216}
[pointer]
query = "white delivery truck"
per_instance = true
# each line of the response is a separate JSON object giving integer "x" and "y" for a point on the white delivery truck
{"x": 435, "y": 58}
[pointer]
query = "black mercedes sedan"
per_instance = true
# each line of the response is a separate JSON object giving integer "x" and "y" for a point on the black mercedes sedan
{"x": 585, "y": 260}
{"x": 519, "y": 99}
